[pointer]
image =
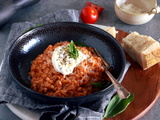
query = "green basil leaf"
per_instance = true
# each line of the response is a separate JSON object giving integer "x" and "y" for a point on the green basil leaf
{"x": 117, "y": 105}
{"x": 80, "y": 44}
{"x": 37, "y": 25}
{"x": 97, "y": 84}
{"x": 100, "y": 85}
{"x": 73, "y": 51}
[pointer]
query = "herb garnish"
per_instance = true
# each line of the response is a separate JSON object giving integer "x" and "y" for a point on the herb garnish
{"x": 73, "y": 51}
{"x": 80, "y": 44}
{"x": 101, "y": 85}
{"x": 117, "y": 105}
{"x": 37, "y": 25}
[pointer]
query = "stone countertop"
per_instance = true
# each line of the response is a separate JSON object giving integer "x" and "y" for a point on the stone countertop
{"x": 108, "y": 17}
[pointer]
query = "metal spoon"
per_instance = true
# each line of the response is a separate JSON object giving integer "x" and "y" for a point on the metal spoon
{"x": 121, "y": 91}
{"x": 155, "y": 10}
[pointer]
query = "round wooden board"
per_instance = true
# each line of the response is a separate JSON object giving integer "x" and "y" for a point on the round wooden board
{"x": 144, "y": 84}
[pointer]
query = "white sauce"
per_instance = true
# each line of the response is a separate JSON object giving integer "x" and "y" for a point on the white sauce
{"x": 63, "y": 63}
{"x": 131, "y": 8}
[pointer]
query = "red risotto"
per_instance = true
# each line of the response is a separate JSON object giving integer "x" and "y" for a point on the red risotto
{"x": 46, "y": 80}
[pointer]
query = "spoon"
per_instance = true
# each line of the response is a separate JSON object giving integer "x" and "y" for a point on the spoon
{"x": 155, "y": 10}
{"x": 121, "y": 91}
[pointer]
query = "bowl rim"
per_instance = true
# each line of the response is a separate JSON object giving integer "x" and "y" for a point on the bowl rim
{"x": 110, "y": 87}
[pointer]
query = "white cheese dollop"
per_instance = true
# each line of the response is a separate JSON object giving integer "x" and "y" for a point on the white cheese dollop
{"x": 63, "y": 63}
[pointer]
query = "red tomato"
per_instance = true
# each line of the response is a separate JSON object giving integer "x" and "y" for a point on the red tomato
{"x": 97, "y": 7}
{"x": 89, "y": 15}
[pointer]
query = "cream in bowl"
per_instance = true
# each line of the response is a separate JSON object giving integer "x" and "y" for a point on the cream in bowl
{"x": 136, "y": 12}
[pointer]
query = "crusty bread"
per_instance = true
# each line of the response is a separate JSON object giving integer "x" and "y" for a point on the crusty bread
{"x": 143, "y": 49}
{"x": 110, "y": 30}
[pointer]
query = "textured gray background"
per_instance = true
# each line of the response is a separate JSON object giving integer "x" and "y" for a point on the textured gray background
{"x": 108, "y": 17}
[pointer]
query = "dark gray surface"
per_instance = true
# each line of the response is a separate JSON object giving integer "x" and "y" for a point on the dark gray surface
{"x": 108, "y": 17}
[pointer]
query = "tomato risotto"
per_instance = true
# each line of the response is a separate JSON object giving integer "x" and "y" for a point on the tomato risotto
{"x": 47, "y": 80}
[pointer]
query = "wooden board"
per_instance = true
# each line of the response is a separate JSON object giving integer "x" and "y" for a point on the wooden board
{"x": 144, "y": 84}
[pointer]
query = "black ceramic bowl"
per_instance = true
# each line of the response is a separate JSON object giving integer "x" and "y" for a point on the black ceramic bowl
{"x": 29, "y": 45}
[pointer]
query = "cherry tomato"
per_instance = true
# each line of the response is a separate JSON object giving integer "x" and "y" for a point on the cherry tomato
{"x": 97, "y": 7}
{"x": 89, "y": 15}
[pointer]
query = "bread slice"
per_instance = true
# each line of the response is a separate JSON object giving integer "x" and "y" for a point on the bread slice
{"x": 143, "y": 49}
{"x": 110, "y": 30}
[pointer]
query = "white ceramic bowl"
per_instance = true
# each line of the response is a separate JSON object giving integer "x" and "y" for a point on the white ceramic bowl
{"x": 143, "y": 12}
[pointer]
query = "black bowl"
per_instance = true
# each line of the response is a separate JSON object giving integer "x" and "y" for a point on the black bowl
{"x": 29, "y": 45}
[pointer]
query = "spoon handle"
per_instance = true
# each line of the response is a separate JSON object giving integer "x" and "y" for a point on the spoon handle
{"x": 155, "y": 10}
{"x": 121, "y": 91}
